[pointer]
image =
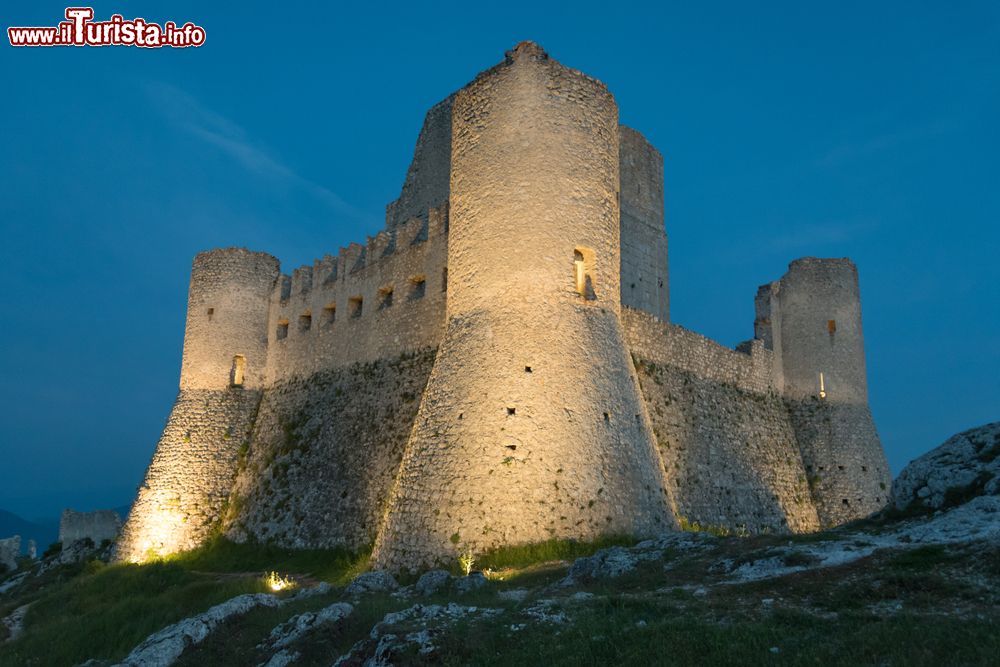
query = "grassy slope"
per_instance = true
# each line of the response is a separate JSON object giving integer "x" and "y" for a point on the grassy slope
{"x": 924, "y": 606}
{"x": 103, "y": 611}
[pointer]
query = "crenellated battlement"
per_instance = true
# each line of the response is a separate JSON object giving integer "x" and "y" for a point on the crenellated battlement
{"x": 390, "y": 299}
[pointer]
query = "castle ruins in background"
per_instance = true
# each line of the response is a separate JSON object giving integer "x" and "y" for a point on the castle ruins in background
{"x": 498, "y": 366}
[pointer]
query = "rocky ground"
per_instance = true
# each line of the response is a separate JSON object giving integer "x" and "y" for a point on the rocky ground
{"x": 919, "y": 585}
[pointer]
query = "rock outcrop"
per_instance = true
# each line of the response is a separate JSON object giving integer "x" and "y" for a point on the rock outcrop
{"x": 164, "y": 647}
{"x": 965, "y": 466}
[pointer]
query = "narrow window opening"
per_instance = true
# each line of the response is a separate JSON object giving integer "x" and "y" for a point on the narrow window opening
{"x": 282, "y": 331}
{"x": 607, "y": 417}
{"x": 512, "y": 447}
{"x": 583, "y": 268}
{"x": 238, "y": 370}
{"x": 211, "y": 311}
{"x": 385, "y": 298}
{"x": 356, "y": 306}
{"x": 511, "y": 411}
{"x": 305, "y": 321}
{"x": 840, "y": 467}
{"x": 444, "y": 279}
{"x": 418, "y": 287}
{"x": 845, "y": 501}
{"x": 864, "y": 468}
{"x": 329, "y": 314}
{"x": 831, "y": 326}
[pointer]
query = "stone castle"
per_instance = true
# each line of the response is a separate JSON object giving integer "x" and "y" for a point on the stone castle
{"x": 497, "y": 366}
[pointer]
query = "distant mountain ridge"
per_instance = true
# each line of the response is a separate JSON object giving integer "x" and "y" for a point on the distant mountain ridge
{"x": 44, "y": 531}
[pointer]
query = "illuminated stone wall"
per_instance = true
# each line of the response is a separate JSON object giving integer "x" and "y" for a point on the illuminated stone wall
{"x": 324, "y": 454}
{"x": 811, "y": 318}
{"x": 189, "y": 479}
{"x": 531, "y": 427}
{"x": 369, "y": 302}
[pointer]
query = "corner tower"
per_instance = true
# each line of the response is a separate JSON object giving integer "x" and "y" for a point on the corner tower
{"x": 222, "y": 371}
{"x": 811, "y": 318}
{"x": 531, "y": 426}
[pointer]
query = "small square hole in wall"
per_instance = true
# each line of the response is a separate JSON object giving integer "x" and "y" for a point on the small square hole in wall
{"x": 511, "y": 411}
{"x": 418, "y": 287}
{"x": 527, "y": 369}
{"x": 845, "y": 501}
{"x": 831, "y": 326}
{"x": 355, "y": 306}
{"x": 329, "y": 314}
{"x": 384, "y": 298}
{"x": 282, "y": 331}
{"x": 305, "y": 321}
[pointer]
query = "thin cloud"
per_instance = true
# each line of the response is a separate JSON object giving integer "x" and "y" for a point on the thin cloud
{"x": 868, "y": 147}
{"x": 187, "y": 113}
{"x": 823, "y": 234}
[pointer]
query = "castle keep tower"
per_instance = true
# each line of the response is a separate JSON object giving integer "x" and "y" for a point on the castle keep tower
{"x": 222, "y": 372}
{"x": 531, "y": 426}
{"x": 811, "y": 319}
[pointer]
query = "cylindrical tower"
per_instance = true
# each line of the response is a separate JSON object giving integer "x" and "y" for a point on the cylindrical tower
{"x": 815, "y": 325}
{"x": 531, "y": 426}
{"x": 225, "y": 345}
{"x": 225, "y": 339}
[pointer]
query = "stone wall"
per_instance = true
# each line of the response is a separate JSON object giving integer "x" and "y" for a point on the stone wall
{"x": 844, "y": 461}
{"x": 324, "y": 453}
{"x": 644, "y": 277}
{"x": 370, "y": 302}
{"x": 189, "y": 479}
{"x": 724, "y": 434}
{"x": 96, "y": 526}
{"x": 665, "y": 343}
{"x": 730, "y": 454}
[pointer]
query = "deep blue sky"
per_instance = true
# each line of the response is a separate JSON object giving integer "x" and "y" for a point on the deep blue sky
{"x": 867, "y": 130}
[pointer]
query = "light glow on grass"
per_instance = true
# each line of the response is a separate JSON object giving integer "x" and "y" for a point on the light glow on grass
{"x": 278, "y": 583}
